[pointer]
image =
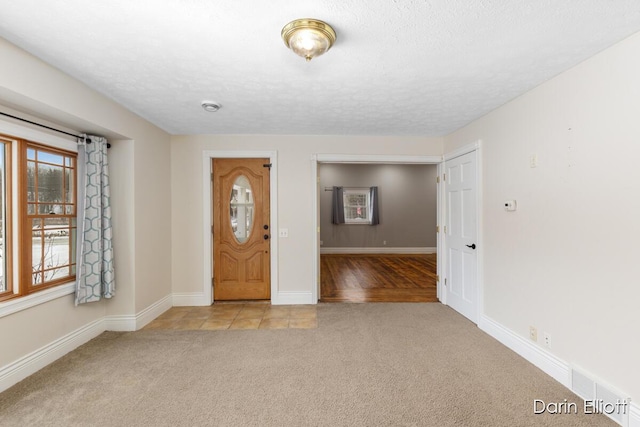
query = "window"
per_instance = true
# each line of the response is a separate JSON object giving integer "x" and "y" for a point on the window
{"x": 5, "y": 225}
{"x": 51, "y": 216}
{"x": 356, "y": 206}
{"x": 44, "y": 202}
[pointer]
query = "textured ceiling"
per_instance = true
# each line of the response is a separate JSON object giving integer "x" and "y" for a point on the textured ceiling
{"x": 399, "y": 67}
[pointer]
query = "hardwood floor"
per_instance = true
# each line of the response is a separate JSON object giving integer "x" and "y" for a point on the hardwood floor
{"x": 378, "y": 278}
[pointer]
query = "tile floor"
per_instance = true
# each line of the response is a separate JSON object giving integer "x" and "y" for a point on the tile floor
{"x": 238, "y": 316}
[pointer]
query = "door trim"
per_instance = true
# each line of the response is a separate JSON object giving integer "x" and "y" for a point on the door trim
{"x": 477, "y": 147}
{"x": 207, "y": 215}
{"x": 362, "y": 159}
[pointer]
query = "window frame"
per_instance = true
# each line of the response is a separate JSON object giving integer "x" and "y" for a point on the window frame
{"x": 7, "y": 192}
{"x": 17, "y": 299}
{"x": 25, "y": 218}
{"x": 367, "y": 207}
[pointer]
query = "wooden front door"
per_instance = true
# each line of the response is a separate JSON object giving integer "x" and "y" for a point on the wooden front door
{"x": 241, "y": 229}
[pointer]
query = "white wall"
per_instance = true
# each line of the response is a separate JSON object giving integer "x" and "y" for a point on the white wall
{"x": 295, "y": 207}
{"x": 566, "y": 261}
{"x": 140, "y": 170}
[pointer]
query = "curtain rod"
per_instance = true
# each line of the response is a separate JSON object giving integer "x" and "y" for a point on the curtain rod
{"x": 347, "y": 187}
{"x": 49, "y": 127}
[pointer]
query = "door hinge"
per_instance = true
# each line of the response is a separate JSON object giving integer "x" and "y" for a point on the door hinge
{"x": 438, "y": 179}
{"x": 267, "y": 165}
{"x": 211, "y": 176}
{"x": 437, "y": 228}
{"x": 445, "y": 281}
{"x": 437, "y": 278}
{"x": 212, "y": 229}
{"x": 445, "y": 229}
{"x": 444, "y": 177}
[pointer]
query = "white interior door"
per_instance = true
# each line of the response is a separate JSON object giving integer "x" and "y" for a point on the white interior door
{"x": 461, "y": 233}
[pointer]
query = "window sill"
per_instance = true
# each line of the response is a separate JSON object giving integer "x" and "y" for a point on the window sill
{"x": 22, "y": 303}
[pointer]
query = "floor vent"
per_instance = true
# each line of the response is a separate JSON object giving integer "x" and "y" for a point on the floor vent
{"x": 600, "y": 398}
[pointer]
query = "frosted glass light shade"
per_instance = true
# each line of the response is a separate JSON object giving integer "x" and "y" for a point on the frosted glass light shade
{"x": 308, "y": 37}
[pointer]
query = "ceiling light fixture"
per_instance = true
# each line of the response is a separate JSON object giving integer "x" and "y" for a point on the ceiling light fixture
{"x": 308, "y": 37}
{"x": 210, "y": 106}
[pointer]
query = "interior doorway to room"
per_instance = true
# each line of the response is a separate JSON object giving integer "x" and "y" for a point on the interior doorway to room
{"x": 241, "y": 229}
{"x": 393, "y": 261}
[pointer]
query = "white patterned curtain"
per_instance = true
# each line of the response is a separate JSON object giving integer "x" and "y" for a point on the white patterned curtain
{"x": 94, "y": 264}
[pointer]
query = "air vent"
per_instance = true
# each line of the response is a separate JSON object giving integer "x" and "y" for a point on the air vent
{"x": 613, "y": 404}
{"x": 600, "y": 397}
{"x": 582, "y": 385}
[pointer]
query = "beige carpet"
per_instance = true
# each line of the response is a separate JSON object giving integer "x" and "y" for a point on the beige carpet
{"x": 365, "y": 365}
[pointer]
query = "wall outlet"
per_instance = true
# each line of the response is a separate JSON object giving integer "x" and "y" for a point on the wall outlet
{"x": 547, "y": 340}
{"x": 284, "y": 232}
{"x": 384, "y": 243}
{"x": 533, "y": 333}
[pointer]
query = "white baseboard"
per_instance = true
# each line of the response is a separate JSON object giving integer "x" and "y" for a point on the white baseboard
{"x": 634, "y": 415}
{"x": 291, "y": 298}
{"x": 124, "y": 323}
{"x": 281, "y": 298}
{"x": 382, "y": 250}
{"x": 33, "y": 362}
{"x": 550, "y": 364}
{"x": 120, "y": 323}
{"x": 154, "y": 310}
{"x": 189, "y": 299}
{"x": 556, "y": 368}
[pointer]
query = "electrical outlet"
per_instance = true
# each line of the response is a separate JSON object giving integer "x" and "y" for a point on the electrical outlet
{"x": 533, "y": 333}
{"x": 384, "y": 243}
{"x": 547, "y": 340}
{"x": 284, "y": 232}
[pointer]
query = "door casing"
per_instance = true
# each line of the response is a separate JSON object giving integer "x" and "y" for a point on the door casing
{"x": 360, "y": 159}
{"x": 207, "y": 215}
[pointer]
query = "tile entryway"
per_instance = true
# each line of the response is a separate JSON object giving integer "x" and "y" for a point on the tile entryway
{"x": 238, "y": 316}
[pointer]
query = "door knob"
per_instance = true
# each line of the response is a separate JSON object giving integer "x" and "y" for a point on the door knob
{"x": 472, "y": 246}
{"x": 266, "y": 237}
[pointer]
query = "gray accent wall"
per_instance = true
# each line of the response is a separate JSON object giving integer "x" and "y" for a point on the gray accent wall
{"x": 408, "y": 205}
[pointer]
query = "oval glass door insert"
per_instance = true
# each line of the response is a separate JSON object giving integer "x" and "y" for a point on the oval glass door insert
{"x": 241, "y": 209}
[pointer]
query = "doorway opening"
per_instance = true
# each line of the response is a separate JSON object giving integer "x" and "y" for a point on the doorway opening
{"x": 395, "y": 260}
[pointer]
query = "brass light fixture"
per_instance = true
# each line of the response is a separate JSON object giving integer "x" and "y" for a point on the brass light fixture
{"x": 308, "y": 37}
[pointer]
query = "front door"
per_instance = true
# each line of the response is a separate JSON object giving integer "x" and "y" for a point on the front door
{"x": 241, "y": 229}
{"x": 461, "y": 235}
